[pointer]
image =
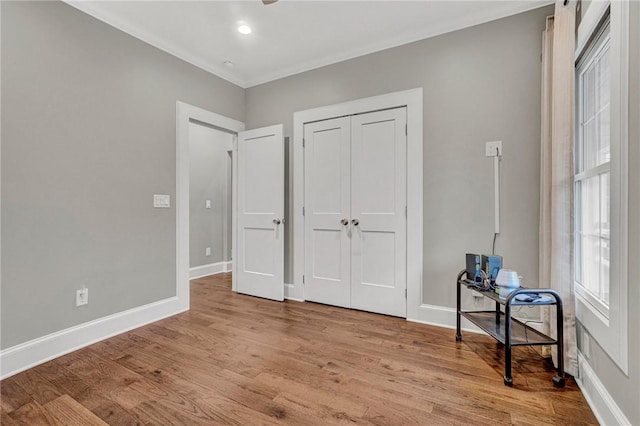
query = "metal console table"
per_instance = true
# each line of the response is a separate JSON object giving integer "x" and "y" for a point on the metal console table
{"x": 509, "y": 331}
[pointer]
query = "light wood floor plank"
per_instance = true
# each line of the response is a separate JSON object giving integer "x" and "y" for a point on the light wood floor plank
{"x": 12, "y": 395}
{"x": 69, "y": 412}
{"x": 38, "y": 388}
{"x": 34, "y": 414}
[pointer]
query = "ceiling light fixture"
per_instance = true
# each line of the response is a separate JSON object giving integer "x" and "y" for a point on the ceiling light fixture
{"x": 244, "y": 29}
{"x": 228, "y": 64}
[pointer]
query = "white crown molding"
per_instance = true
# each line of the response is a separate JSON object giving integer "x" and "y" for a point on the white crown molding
{"x": 88, "y": 8}
{"x": 509, "y": 8}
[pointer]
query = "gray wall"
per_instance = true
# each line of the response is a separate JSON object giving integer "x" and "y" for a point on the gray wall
{"x": 480, "y": 84}
{"x": 208, "y": 178}
{"x": 88, "y": 136}
{"x": 625, "y": 389}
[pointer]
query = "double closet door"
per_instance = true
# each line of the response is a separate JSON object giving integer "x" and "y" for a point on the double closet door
{"x": 355, "y": 211}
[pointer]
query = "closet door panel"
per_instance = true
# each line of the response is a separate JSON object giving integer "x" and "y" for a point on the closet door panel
{"x": 327, "y": 198}
{"x": 378, "y": 209}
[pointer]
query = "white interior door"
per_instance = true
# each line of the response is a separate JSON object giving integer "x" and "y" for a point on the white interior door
{"x": 327, "y": 200}
{"x": 260, "y": 207}
{"x": 378, "y": 210}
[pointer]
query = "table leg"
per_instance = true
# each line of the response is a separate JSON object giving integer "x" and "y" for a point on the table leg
{"x": 559, "y": 381}
{"x": 458, "y": 307}
{"x": 508, "y": 379}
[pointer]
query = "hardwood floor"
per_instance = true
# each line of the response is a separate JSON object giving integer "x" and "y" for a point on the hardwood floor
{"x": 236, "y": 359}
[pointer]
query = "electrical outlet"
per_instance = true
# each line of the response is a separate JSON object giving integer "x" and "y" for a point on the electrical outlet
{"x": 207, "y": 251}
{"x": 207, "y": 204}
{"x": 82, "y": 297}
{"x": 493, "y": 149}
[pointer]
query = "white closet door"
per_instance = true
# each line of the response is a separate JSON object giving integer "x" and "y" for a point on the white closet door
{"x": 327, "y": 199}
{"x": 378, "y": 203}
{"x": 260, "y": 239}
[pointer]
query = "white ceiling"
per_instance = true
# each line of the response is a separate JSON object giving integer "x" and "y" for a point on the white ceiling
{"x": 289, "y": 36}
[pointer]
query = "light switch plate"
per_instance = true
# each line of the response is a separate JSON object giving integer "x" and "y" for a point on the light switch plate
{"x": 207, "y": 204}
{"x": 493, "y": 149}
{"x": 161, "y": 201}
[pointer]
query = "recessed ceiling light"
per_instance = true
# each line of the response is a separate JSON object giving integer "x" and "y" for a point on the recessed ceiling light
{"x": 244, "y": 29}
{"x": 228, "y": 64}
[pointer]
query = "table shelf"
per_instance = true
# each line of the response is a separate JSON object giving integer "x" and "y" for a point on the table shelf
{"x": 508, "y": 330}
{"x": 521, "y": 334}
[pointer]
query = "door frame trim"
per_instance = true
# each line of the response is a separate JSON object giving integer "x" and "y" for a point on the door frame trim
{"x": 412, "y": 100}
{"x": 184, "y": 114}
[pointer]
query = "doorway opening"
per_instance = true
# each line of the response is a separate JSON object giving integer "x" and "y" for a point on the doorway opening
{"x": 236, "y": 205}
{"x": 210, "y": 199}
{"x": 211, "y": 127}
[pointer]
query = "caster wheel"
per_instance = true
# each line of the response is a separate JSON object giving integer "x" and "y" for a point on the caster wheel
{"x": 458, "y": 338}
{"x": 508, "y": 382}
{"x": 558, "y": 382}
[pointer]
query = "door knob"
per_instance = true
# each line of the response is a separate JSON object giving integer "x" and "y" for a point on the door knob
{"x": 355, "y": 222}
{"x": 277, "y": 221}
{"x": 344, "y": 221}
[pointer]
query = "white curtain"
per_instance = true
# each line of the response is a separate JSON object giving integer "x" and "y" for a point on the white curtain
{"x": 556, "y": 173}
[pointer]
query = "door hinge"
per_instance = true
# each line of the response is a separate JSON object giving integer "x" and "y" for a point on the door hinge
{"x": 406, "y": 130}
{"x": 405, "y": 293}
{"x": 303, "y": 279}
{"x": 406, "y": 211}
{"x": 303, "y": 142}
{"x": 302, "y": 210}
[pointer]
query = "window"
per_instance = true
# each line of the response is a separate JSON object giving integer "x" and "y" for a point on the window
{"x": 592, "y": 174}
{"x": 601, "y": 179}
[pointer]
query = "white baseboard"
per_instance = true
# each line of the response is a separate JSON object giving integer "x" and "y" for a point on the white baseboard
{"x": 293, "y": 292}
{"x": 602, "y": 404}
{"x": 442, "y": 316}
{"x": 26, "y": 355}
{"x": 210, "y": 269}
